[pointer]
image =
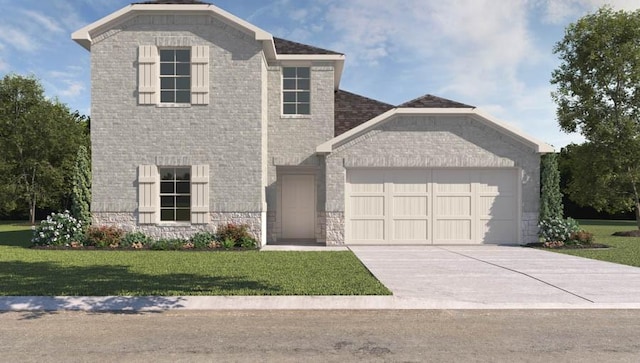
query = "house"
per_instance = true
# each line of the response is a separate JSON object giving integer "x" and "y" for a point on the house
{"x": 200, "y": 118}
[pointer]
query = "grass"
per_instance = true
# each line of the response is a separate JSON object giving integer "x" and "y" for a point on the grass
{"x": 28, "y": 272}
{"x": 624, "y": 250}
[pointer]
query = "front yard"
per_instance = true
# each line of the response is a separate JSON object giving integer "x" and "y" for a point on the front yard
{"x": 624, "y": 250}
{"x": 29, "y": 272}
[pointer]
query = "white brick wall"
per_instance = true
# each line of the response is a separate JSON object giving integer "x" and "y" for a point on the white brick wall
{"x": 227, "y": 134}
{"x": 429, "y": 141}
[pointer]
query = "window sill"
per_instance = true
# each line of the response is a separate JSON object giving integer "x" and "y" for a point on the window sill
{"x": 174, "y": 224}
{"x": 173, "y": 105}
{"x": 295, "y": 116}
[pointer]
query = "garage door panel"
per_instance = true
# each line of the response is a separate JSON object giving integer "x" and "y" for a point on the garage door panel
{"x": 410, "y": 230}
{"x": 410, "y": 206}
{"x": 432, "y": 206}
{"x": 367, "y": 206}
{"x": 497, "y": 231}
{"x": 368, "y": 230}
{"x": 452, "y": 230}
{"x": 453, "y": 206}
{"x": 497, "y": 207}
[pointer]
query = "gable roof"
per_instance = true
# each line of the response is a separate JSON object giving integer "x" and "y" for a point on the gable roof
{"x": 355, "y": 115}
{"x": 431, "y": 101}
{"x": 351, "y": 110}
{"x": 284, "y": 46}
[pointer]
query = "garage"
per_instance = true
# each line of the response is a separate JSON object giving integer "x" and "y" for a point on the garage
{"x": 432, "y": 206}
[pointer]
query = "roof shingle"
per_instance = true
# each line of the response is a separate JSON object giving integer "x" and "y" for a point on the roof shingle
{"x": 284, "y": 46}
{"x": 431, "y": 101}
{"x": 352, "y": 110}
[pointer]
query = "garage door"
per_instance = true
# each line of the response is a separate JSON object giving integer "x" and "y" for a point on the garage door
{"x": 442, "y": 206}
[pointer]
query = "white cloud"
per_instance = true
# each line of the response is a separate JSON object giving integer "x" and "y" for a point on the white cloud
{"x": 47, "y": 22}
{"x": 73, "y": 89}
{"x": 4, "y": 66}
{"x": 17, "y": 39}
{"x": 561, "y": 11}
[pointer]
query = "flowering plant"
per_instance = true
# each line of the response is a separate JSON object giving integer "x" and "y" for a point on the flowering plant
{"x": 59, "y": 229}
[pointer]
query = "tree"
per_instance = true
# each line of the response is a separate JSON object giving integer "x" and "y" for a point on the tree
{"x": 39, "y": 138}
{"x": 550, "y": 196}
{"x": 598, "y": 95}
{"x": 81, "y": 193}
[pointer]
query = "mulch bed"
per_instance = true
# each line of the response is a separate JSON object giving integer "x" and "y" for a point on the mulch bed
{"x": 634, "y": 233}
{"x": 568, "y": 247}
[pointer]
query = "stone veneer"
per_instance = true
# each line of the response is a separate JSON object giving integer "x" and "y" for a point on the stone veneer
{"x": 129, "y": 222}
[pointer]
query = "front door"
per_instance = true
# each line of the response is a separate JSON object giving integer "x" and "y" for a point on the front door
{"x": 298, "y": 206}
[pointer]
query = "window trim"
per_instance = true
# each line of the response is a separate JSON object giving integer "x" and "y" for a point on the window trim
{"x": 175, "y": 195}
{"x": 175, "y": 76}
{"x": 296, "y": 90}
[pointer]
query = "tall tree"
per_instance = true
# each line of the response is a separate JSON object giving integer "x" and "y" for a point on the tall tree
{"x": 81, "y": 194}
{"x": 39, "y": 138}
{"x": 598, "y": 95}
{"x": 550, "y": 196}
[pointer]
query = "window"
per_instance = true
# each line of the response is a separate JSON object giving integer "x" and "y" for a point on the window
{"x": 175, "y": 194}
{"x": 175, "y": 75}
{"x": 296, "y": 94}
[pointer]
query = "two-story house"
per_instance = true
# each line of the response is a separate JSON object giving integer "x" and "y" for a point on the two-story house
{"x": 200, "y": 118}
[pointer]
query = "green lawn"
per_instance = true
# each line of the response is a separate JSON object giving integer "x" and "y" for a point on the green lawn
{"x": 625, "y": 250}
{"x": 28, "y": 272}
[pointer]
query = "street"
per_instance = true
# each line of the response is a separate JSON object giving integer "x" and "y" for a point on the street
{"x": 322, "y": 336}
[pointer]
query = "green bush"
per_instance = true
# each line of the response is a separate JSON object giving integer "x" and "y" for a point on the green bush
{"x": 169, "y": 244}
{"x": 227, "y": 243}
{"x": 238, "y": 233}
{"x": 248, "y": 243}
{"x": 135, "y": 240}
{"x": 59, "y": 229}
{"x": 202, "y": 240}
{"x": 104, "y": 236}
{"x": 557, "y": 230}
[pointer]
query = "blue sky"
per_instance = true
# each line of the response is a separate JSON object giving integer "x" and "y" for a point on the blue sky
{"x": 493, "y": 54}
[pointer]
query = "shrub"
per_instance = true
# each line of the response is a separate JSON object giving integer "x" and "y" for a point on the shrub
{"x": 104, "y": 236}
{"x": 557, "y": 230}
{"x": 581, "y": 238}
{"x": 135, "y": 240}
{"x": 248, "y": 243}
{"x": 202, "y": 240}
{"x": 168, "y": 244}
{"x": 59, "y": 229}
{"x": 227, "y": 243}
{"x": 236, "y": 233}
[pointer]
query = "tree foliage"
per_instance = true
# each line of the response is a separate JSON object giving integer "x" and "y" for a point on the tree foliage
{"x": 81, "y": 192}
{"x": 40, "y": 138}
{"x": 598, "y": 95}
{"x": 550, "y": 196}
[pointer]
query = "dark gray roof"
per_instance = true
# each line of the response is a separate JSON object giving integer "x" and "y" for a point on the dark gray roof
{"x": 431, "y": 101}
{"x": 284, "y": 46}
{"x": 352, "y": 110}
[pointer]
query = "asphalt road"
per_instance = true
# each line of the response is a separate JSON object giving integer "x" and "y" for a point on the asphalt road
{"x": 322, "y": 336}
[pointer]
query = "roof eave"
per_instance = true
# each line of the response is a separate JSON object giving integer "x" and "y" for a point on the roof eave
{"x": 84, "y": 36}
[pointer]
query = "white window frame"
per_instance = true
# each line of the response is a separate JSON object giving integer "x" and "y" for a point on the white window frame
{"x": 174, "y": 194}
{"x": 295, "y": 90}
{"x": 176, "y": 63}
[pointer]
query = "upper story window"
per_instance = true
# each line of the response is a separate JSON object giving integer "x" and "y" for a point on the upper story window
{"x": 175, "y": 194}
{"x": 175, "y": 75}
{"x": 296, "y": 90}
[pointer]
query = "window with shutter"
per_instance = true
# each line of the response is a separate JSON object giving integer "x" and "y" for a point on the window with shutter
{"x": 147, "y": 74}
{"x": 200, "y": 194}
{"x": 200, "y": 75}
{"x": 148, "y": 194}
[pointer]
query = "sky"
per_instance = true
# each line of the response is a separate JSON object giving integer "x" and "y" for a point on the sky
{"x": 496, "y": 55}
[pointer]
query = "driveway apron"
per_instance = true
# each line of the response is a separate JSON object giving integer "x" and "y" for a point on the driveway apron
{"x": 500, "y": 276}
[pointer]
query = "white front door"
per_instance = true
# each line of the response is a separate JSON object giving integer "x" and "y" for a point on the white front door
{"x": 298, "y": 206}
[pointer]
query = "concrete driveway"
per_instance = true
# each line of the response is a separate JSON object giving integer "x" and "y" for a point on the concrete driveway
{"x": 499, "y": 277}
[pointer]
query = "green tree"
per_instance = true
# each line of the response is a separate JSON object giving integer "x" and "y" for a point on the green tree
{"x": 550, "y": 196}
{"x": 40, "y": 139}
{"x": 598, "y": 95}
{"x": 81, "y": 193}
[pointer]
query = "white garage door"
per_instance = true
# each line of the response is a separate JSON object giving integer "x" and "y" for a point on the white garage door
{"x": 441, "y": 206}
